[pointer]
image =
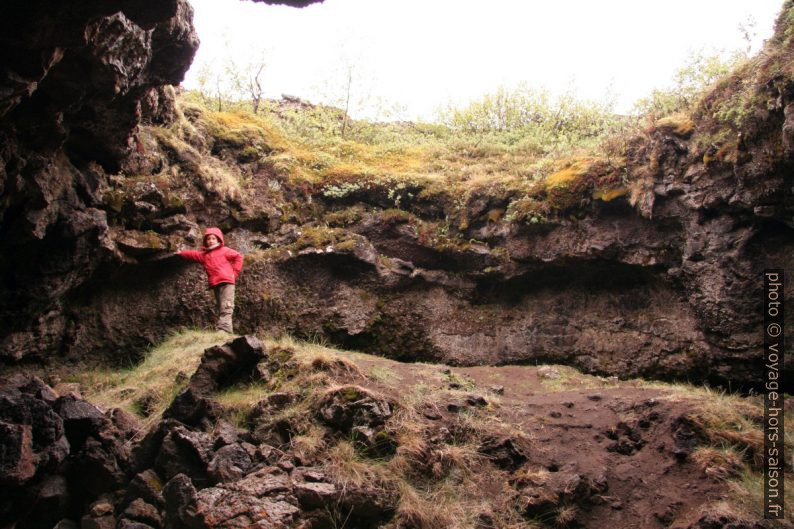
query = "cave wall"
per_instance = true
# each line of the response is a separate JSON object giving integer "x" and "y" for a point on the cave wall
{"x": 667, "y": 286}
{"x": 74, "y": 81}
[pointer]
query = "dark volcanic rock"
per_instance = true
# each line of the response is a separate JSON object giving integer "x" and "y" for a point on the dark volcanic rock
{"x": 34, "y": 431}
{"x": 81, "y": 419}
{"x": 504, "y": 452}
{"x": 180, "y": 501}
{"x": 374, "y": 443}
{"x": 223, "y": 365}
{"x": 184, "y": 452}
{"x": 58, "y": 454}
{"x": 230, "y": 463}
{"x": 663, "y": 284}
{"x": 194, "y": 410}
{"x": 143, "y": 512}
{"x": 71, "y": 82}
{"x": 17, "y": 460}
{"x": 147, "y": 486}
{"x": 351, "y": 406}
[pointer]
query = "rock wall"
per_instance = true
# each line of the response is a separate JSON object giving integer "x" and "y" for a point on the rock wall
{"x": 73, "y": 83}
{"x": 666, "y": 283}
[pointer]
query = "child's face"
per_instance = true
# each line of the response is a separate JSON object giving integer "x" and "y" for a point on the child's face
{"x": 210, "y": 240}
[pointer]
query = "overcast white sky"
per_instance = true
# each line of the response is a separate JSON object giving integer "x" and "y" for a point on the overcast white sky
{"x": 426, "y": 53}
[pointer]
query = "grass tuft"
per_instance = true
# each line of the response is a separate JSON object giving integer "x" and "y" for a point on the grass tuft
{"x": 148, "y": 388}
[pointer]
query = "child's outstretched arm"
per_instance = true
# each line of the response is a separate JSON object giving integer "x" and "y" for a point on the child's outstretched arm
{"x": 192, "y": 255}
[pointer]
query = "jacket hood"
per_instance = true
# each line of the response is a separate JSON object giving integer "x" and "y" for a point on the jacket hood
{"x": 212, "y": 231}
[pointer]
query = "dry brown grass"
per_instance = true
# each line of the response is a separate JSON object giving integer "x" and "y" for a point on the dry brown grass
{"x": 431, "y": 483}
{"x": 731, "y": 445}
{"x": 725, "y": 420}
{"x": 426, "y": 511}
{"x": 164, "y": 371}
{"x": 719, "y": 463}
{"x": 219, "y": 178}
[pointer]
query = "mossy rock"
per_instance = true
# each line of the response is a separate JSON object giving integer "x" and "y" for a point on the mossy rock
{"x": 238, "y": 130}
{"x": 566, "y": 188}
{"x": 679, "y": 125}
{"x": 249, "y": 154}
{"x": 607, "y": 195}
{"x": 346, "y": 246}
{"x": 350, "y": 394}
{"x": 395, "y": 216}
{"x": 528, "y": 209}
{"x": 137, "y": 243}
{"x": 344, "y": 217}
{"x": 115, "y": 200}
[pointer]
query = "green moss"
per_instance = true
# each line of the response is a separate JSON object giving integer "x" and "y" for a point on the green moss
{"x": 395, "y": 216}
{"x": 114, "y": 200}
{"x": 571, "y": 187}
{"x": 527, "y": 209}
{"x": 229, "y": 132}
{"x": 249, "y": 153}
{"x": 316, "y": 237}
{"x": 175, "y": 201}
{"x": 180, "y": 151}
{"x": 564, "y": 188}
{"x": 608, "y": 195}
{"x": 344, "y": 217}
{"x": 325, "y": 236}
{"x": 346, "y": 246}
{"x": 153, "y": 240}
{"x": 281, "y": 355}
{"x": 678, "y": 124}
{"x": 350, "y": 394}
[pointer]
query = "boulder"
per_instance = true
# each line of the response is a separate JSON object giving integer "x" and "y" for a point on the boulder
{"x": 54, "y": 501}
{"x": 180, "y": 501}
{"x": 230, "y": 463}
{"x": 22, "y": 410}
{"x": 224, "y": 365}
{"x": 684, "y": 438}
{"x": 17, "y": 459}
{"x": 218, "y": 508}
{"x": 99, "y": 466}
{"x": 315, "y": 495}
{"x": 184, "y": 452}
{"x": 268, "y": 481}
{"x": 81, "y": 420}
{"x": 59, "y": 453}
{"x": 124, "y": 422}
{"x": 192, "y": 408}
{"x": 372, "y": 442}
{"x": 125, "y": 523}
{"x": 626, "y": 438}
{"x": 146, "y": 486}
{"x": 225, "y": 433}
{"x": 140, "y": 511}
{"x": 349, "y": 406}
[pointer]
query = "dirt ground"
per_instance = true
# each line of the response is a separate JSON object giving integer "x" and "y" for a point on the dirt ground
{"x": 602, "y": 429}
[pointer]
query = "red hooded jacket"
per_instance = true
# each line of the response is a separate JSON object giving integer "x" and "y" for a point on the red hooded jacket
{"x": 222, "y": 264}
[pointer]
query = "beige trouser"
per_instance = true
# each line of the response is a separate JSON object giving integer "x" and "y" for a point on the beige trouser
{"x": 224, "y": 306}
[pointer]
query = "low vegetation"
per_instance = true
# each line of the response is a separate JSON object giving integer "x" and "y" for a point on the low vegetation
{"x": 540, "y": 157}
{"x": 432, "y": 485}
{"x": 147, "y": 389}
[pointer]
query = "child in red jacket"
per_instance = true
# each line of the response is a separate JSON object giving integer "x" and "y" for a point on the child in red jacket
{"x": 223, "y": 266}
